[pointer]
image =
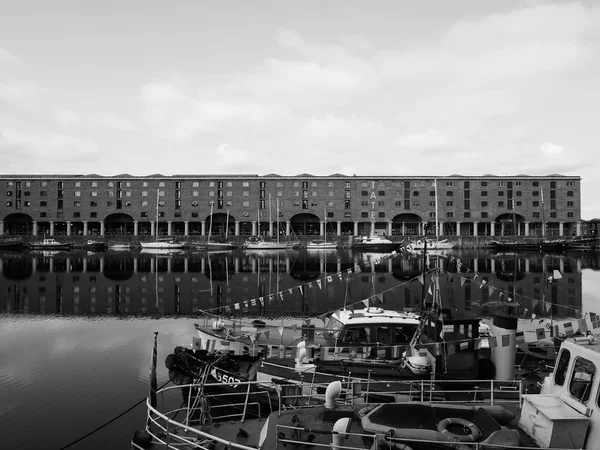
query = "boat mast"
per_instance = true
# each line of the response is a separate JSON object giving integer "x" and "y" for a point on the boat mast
{"x": 277, "y": 202}
{"x": 436, "y": 211}
{"x": 156, "y": 231}
{"x": 543, "y": 215}
{"x": 211, "y": 219}
{"x": 226, "y": 225}
{"x": 325, "y": 224}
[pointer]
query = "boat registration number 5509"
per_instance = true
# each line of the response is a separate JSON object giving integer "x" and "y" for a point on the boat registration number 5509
{"x": 224, "y": 378}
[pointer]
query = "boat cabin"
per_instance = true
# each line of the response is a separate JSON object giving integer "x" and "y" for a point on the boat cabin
{"x": 374, "y": 327}
{"x": 566, "y": 413}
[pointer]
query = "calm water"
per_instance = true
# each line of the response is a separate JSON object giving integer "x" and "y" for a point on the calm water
{"x": 76, "y": 329}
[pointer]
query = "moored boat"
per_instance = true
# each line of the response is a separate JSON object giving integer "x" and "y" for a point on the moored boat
{"x": 11, "y": 244}
{"x": 49, "y": 244}
{"x": 374, "y": 243}
{"x": 564, "y": 415}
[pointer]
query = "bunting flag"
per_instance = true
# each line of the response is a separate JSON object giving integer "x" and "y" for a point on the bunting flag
{"x": 253, "y": 301}
{"x": 262, "y": 302}
{"x": 492, "y": 290}
{"x": 505, "y": 340}
{"x": 329, "y": 278}
{"x": 483, "y": 282}
{"x": 520, "y": 337}
{"x": 464, "y": 345}
{"x": 451, "y": 348}
{"x": 349, "y": 270}
{"x": 540, "y": 333}
{"x": 340, "y": 276}
{"x": 462, "y": 281}
{"x": 280, "y": 329}
{"x": 568, "y": 328}
{"x": 237, "y": 306}
{"x": 271, "y": 298}
{"x": 357, "y": 269}
{"x": 366, "y": 302}
{"x": 380, "y": 297}
{"x": 583, "y": 328}
{"x": 300, "y": 289}
{"x": 319, "y": 283}
{"x": 309, "y": 285}
{"x": 281, "y": 295}
{"x": 420, "y": 279}
{"x": 290, "y": 291}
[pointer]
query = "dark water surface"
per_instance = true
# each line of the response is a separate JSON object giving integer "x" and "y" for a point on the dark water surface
{"x": 76, "y": 329}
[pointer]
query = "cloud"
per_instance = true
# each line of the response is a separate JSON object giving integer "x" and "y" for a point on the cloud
{"x": 48, "y": 146}
{"x": 176, "y": 114}
{"x": 25, "y": 94}
{"x": 114, "y": 121}
{"x": 431, "y": 139}
{"x": 6, "y": 57}
{"x": 552, "y": 150}
{"x": 336, "y": 130}
{"x": 66, "y": 118}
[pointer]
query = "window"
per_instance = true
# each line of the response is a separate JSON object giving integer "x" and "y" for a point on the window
{"x": 484, "y": 215}
{"x": 93, "y": 204}
{"x": 483, "y": 183}
{"x": 535, "y": 184}
{"x": 381, "y": 193}
{"x": 246, "y": 204}
{"x": 500, "y": 193}
{"x": 415, "y": 193}
{"x": 93, "y": 214}
{"x": 364, "y": 193}
{"x": 449, "y": 193}
{"x": 518, "y": 193}
{"x": 76, "y": 214}
{"x": 449, "y": 183}
{"x": 582, "y": 379}
{"x": 43, "y": 203}
{"x": 570, "y": 215}
{"x": 161, "y": 184}
{"x": 500, "y": 183}
{"x": 569, "y": 193}
{"x": 246, "y": 194}
{"x": 211, "y": 193}
{"x": 246, "y": 184}
{"x": 78, "y": 184}
{"x": 536, "y": 193}
{"x": 111, "y": 184}
{"x": 347, "y": 184}
{"x": 450, "y": 203}
{"x": 9, "y": 203}
{"x": 518, "y": 203}
{"x": 364, "y": 203}
{"x": 347, "y": 215}
{"x": 77, "y": 204}
{"x": 331, "y": 194}
{"x": 364, "y": 214}
{"x": 449, "y": 214}
{"x": 94, "y": 194}
{"x": 43, "y": 183}
{"x": 43, "y": 194}
{"x": 381, "y": 214}
{"x": 43, "y": 214}
{"x": 347, "y": 204}
{"x": 94, "y": 184}
{"x": 144, "y": 202}
{"x": 398, "y": 203}
{"x": 467, "y": 214}
{"x": 536, "y": 215}
{"x": 500, "y": 204}
{"x": 9, "y": 193}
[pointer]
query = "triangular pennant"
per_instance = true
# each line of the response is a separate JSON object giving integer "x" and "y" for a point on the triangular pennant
{"x": 340, "y": 276}
{"x": 319, "y": 283}
{"x": 280, "y": 329}
{"x": 380, "y": 297}
{"x": 262, "y": 301}
{"x": 300, "y": 289}
{"x": 290, "y": 291}
{"x": 420, "y": 278}
{"x": 462, "y": 281}
{"x": 329, "y": 278}
{"x": 281, "y": 295}
{"x": 366, "y": 302}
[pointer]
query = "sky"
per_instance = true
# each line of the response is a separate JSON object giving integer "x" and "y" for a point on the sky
{"x": 389, "y": 88}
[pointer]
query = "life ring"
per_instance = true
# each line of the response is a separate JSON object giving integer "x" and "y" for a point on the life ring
{"x": 373, "y": 310}
{"x": 473, "y": 436}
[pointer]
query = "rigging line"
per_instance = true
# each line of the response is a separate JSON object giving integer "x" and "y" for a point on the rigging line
{"x": 111, "y": 420}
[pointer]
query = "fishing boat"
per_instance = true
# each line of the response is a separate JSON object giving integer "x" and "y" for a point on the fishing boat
{"x": 497, "y": 415}
{"x": 49, "y": 244}
{"x": 161, "y": 243}
{"x": 94, "y": 246}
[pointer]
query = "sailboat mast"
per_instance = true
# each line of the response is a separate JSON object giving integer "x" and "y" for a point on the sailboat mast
{"x": 325, "y": 224}
{"x": 436, "y": 211}
{"x": 211, "y": 219}
{"x": 226, "y": 225}
{"x": 157, "y": 195}
{"x": 277, "y": 202}
{"x": 270, "y": 218}
{"x": 543, "y": 214}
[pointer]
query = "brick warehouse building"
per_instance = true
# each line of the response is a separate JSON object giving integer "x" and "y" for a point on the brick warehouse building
{"x": 485, "y": 205}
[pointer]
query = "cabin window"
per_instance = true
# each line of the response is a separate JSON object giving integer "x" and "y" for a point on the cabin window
{"x": 355, "y": 335}
{"x": 402, "y": 336}
{"x": 383, "y": 335}
{"x": 582, "y": 379}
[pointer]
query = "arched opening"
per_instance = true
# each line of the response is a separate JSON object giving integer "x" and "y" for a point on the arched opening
{"x": 511, "y": 224}
{"x": 18, "y": 223}
{"x": 305, "y": 224}
{"x": 406, "y": 224}
{"x": 220, "y": 225}
{"x": 118, "y": 224}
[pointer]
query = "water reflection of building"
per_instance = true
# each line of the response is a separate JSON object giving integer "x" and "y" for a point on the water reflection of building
{"x": 185, "y": 284}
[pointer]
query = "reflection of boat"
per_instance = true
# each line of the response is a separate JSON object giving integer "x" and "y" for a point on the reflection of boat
{"x": 529, "y": 244}
{"x": 49, "y": 244}
{"x": 583, "y": 243}
{"x": 374, "y": 243}
{"x": 432, "y": 244}
{"x": 563, "y": 415}
{"x": 162, "y": 251}
{"x": 120, "y": 247}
